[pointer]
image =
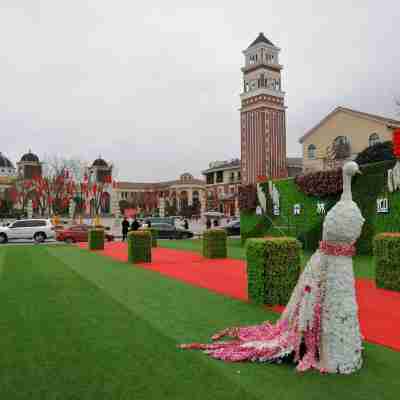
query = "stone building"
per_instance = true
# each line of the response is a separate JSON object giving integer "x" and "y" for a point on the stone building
{"x": 262, "y": 113}
{"x": 341, "y": 135}
{"x": 223, "y": 179}
{"x": 7, "y": 176}
{"x": 163, "y": 197}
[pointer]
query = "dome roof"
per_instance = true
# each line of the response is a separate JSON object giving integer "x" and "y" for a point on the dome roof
{"x": 5, "y": 162}
{"x": 99, "y": 162}
{"x": 30, "y": 157}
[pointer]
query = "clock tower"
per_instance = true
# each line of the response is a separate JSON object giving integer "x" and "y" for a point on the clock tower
{"x": 262, "y": 113}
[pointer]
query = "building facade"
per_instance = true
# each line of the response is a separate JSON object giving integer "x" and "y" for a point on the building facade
{"x": 262, "y": 113}
{"x": 341, "y": 135}
{"x": 223, "y": 179}
{"x": 184, "y": 195}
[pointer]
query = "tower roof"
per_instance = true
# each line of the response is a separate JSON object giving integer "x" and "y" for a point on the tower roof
{"x": 99, "y": 162}
{"x": 5, "y": 162}
{"x": 30, "y": 157}
{"x": 261, "y": 39}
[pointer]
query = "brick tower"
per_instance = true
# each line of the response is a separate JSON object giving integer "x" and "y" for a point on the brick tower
{"x": 262, "y": 113}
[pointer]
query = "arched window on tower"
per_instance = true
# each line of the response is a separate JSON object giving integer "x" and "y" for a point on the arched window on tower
{"x": 373, "y": 139}
{"x": 311, "y": 150}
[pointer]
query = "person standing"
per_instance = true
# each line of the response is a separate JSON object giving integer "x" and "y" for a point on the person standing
{"x": 186, "y": 224}
{"x": 125, "y": 228}
{"x": 135, "y": 225}
{"x": 208, "y": 223}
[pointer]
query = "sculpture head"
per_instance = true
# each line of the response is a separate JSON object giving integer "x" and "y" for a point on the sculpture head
{"x": 351, "y": 168}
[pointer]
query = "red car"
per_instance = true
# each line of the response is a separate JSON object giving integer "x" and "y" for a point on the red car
{"x": 77, "y": 233}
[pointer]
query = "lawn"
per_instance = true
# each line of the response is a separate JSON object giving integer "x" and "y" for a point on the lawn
{"x": 77, "y": 325}
{"x": 363, "y": 265}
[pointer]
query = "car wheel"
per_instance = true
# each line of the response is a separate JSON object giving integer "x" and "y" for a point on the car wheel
{"x": 39, "y": 237}
{"x": 69, "y": 240}
{"x": 3, "y": 238}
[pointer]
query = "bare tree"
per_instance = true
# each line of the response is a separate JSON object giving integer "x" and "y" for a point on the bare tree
{"x": 55, "y": 165}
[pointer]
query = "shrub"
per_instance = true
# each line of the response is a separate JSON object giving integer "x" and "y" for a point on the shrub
{"x": 273, "y": 268}
{"x": 154, "y": 236}
{"x": 139, "y": 246}
{"x": 378, "y": 152}
{"x": 321, "y": 183}
{"x": 387, "y": 261}
{"x": 96, "y": 239}
{"x": 252, "y": 225}
{"x": 214, "y": 243}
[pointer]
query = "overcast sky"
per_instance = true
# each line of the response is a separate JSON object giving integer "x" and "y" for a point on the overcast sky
{"x": 154, "y": 86}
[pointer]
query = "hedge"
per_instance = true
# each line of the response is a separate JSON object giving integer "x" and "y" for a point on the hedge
{"x": 154, "y": 236}
{"x": 214, "y": 243}
{"x": 307, "y": 226}
{"x": 139, "y": 246}
{"x": 96, "y": 239}
{"x": 273, "y": 269}
{"x": 387, "y": 261}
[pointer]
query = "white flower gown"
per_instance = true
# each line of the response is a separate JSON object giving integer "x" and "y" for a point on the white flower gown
{"x": 319, "y": 326}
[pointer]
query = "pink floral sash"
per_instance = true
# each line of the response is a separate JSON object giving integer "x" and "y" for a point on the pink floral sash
{"x": 332, "y": 249}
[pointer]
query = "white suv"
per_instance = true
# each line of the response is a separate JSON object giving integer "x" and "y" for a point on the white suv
{"x": 37, "y": 229}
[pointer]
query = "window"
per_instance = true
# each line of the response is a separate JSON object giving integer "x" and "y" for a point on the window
{"x": 232, "y": 177}
{"x": 210, "y": 179}
{"x": 373, "y": 139}
{"x": 341, "y": 147}
{"x": 238, "y": 176}
{"x": 311, "y": 151}
{"x": 220, "y": 176}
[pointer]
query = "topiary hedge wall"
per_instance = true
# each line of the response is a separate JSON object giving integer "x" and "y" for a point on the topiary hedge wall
{"x": 273, "y": 268}
{"x": 307, "y": 226}
{"x": 214, "y": 243}
{"x": 387, "y": 261}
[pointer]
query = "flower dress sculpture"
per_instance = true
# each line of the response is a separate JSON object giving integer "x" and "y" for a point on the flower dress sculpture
{"x": 319, "y": 326}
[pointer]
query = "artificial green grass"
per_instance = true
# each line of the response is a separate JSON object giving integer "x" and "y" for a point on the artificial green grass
{"x": 77, "y": 325}
{"x": 363, "y": 265}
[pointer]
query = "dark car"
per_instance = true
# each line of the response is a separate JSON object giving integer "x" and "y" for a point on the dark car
{"x": 168, "y": 231}
{"x": 233, "y": 228}
{"x": 77, "y": 233}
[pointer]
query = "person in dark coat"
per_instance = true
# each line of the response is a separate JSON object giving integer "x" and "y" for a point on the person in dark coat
{"x": 216, "y": 223}
{"x": 125, "y": 228}
{"x": 208, "y": 224}
{"x": 186, "y": 224}
{"x": 135, "y": 225}
{"x": 148, "y": 223}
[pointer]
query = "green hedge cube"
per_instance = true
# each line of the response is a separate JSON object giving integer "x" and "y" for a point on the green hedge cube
{"x": 139, "y": 246}
{"x": 96, "y": 239}
{"x": 154, "y": 236}
{"x": 273, "y": 269}
{"x": 214, "y": 243}
{"x": 387, "y": 261}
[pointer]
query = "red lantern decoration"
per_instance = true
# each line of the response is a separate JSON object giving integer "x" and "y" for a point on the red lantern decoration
{"x": 396, "y": 143}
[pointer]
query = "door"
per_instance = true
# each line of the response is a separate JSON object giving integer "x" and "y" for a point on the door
{"x": 17, "y": 230}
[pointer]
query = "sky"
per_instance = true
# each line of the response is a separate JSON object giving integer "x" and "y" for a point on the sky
{"x": 154, "y": 86}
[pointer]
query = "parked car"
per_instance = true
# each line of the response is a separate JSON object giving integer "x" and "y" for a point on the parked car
{"x": 168, "y": 231}
{"x": 233, "y": 228}
{"x": 78, "y": 233}
{"x": 37, "y": 229}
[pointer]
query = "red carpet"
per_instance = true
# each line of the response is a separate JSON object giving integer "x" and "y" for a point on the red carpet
{"x": 379, "y": 309}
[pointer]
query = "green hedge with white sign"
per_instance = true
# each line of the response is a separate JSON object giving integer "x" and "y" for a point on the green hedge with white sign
{"x": 307, "y": 227}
